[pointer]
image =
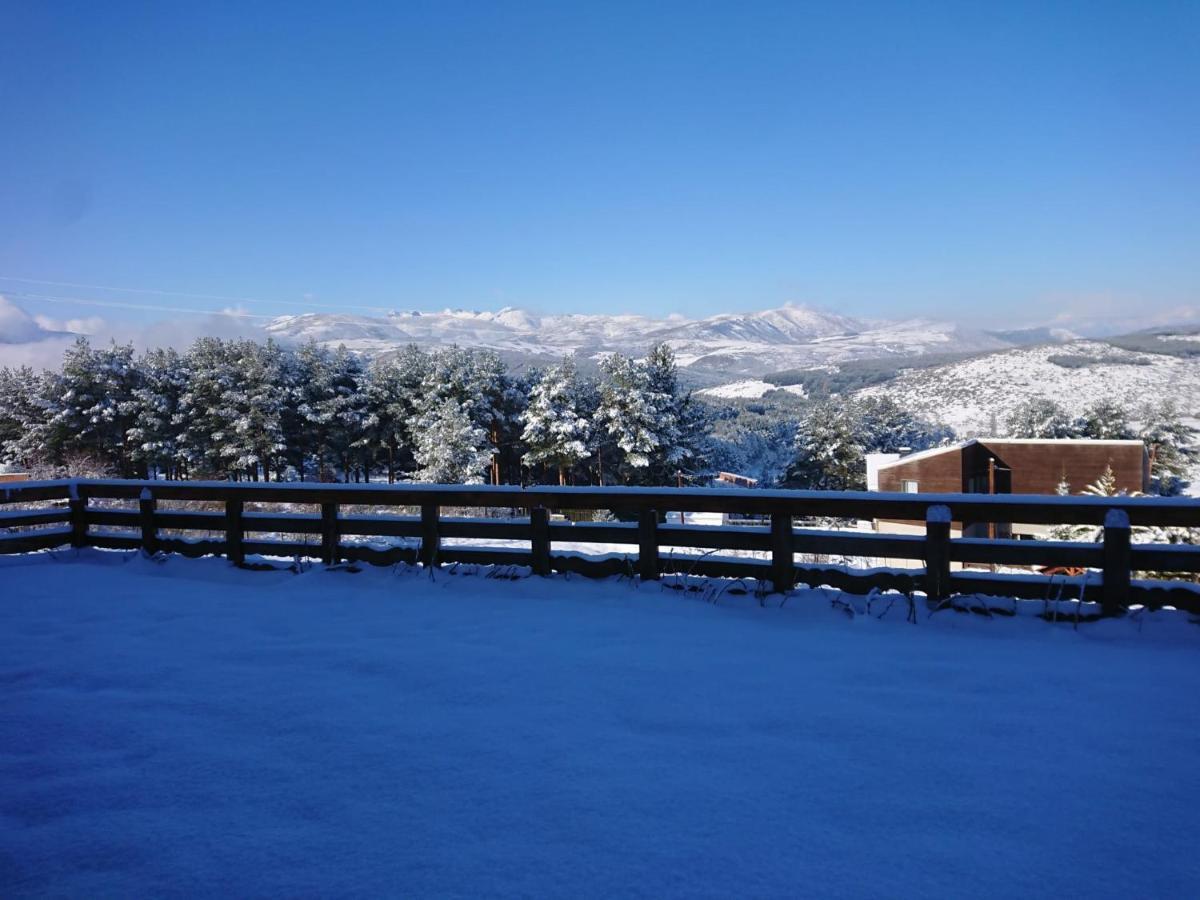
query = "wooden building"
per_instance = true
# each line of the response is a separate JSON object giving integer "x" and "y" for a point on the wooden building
{"x": 1012, "y": 466}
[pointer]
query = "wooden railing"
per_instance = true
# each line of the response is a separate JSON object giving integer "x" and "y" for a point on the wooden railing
{"x": 83, "y": 513}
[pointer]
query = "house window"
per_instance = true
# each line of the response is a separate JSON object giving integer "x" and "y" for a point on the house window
{"x": 909, "y": 487}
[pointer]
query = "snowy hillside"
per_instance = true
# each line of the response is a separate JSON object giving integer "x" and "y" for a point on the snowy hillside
{"x": 970, "y": 394}
{"x": 744, "y": 345}
{"x": 186, "y": 728}
{"x": 749, "y": 389}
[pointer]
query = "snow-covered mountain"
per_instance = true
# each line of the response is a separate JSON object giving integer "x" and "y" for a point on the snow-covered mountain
{"x": 744, "y": 344}
{"x": 971, "y": 394}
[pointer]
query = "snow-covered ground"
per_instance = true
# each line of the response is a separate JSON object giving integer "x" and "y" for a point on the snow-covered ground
{"x": 748, "y": 389}
{"x": 187, "y": 728}
{"x": 969, "y": 395}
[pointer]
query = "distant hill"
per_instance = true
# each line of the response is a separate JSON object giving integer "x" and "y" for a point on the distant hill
{"x": 712, "y": 349}
{"x": 969, "y": 394}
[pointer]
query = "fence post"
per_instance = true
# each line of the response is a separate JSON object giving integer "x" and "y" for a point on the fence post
{"x": 78, "y": 506}
{"x": 329, "y": 533}
{"x": 235, "y": 533}
{"x": 783, "y": 560}
{"x": 937, "y": 552}
{"x": 429, "y": 533}
{"x": 1118, "y": 562}
{"x": 648, "y": 544}
{"x": 146, "y": 506}
{"x": 539, "y": 526}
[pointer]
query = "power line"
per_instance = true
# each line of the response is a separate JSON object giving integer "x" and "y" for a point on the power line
{"x": 165, "y": 293}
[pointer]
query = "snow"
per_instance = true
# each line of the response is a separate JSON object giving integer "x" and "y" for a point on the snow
{"x": 187, "y": 728}
{"x": 749, "y": 389}
{"x": 976, "y": 396}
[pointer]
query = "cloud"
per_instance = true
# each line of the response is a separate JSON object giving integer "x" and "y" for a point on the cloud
{"x": 89, "y": 325}
{"x": 39, "y": 341}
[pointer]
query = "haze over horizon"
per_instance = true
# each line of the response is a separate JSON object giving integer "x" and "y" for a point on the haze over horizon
{"x": 993, "y": 166}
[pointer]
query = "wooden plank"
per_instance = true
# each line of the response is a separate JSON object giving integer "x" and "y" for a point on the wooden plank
{"x": 869, "y": 546}
{"x": 329, "y": 533}
{"x": 23, "y": 518}
{"x": 1007, "y": 552}
{"x": 1118, "y": 562}
{"x": 29, "y": 541}
{"x": 648, "y": 567}
{"x": 235, "y": 532}
{"x": 484, "y": 528}
{"x": 114, "y": 518}
{"x": 1028, "y": 587}
{"x": 31, "y": 491}
{"x": 712, "y": 538}
{"x": 487, "y": 556}
{"x": 1032, "y": 509}
{"x": 783, "y": 562}
{"x": 595, "y": 532}
{"x": 146, "y": 507}
{"x": 430, "y": 539}
{"x": 382, "y": 526}
{"x": 282, "y": 548}
{"x": 539, "y": 527}
{"x": 937, "y": 552}
{"x": 1166, "y": 558}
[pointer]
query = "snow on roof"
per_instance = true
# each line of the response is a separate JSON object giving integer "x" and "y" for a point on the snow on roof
{"x": 924, "y": 454}
{"x": 962, "y": 445}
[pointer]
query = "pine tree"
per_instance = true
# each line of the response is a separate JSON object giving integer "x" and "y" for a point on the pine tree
{"x": 155, "y": 435}
{"x": 1169, "y": 442}
{"x": 25, "y": 438}
{"x": 451, "y": 449}
{"x": 554, "y": 431}
{"x": 829, "y": 452}
{"x": 1040, "y": 418}
{"x": 93, "y": 404}
{"x": 1104, "y": 421}
{"x": 886, "y": 427}
{"x": 393, "y": 393}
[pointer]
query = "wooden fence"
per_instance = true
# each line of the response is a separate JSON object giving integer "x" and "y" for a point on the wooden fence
{"x": 83, "y": 513}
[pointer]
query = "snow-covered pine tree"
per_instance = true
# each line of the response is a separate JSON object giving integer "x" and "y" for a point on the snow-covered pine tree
{"x": 24, "y": 436}
{"x": 629, "y": 415}
{"x": 332, "y": 406}
{"x": 252, "y": 407}
{"x": 887, "y": 427}
{"x": 1040, "y": 418}
{"x": 1169, "y": 442}
{"x": 202, "y": 415}
{"x": 1105, "y": 420}
{"x": 93, "y": 404}
{"x": 829, "y": 451}
{"x": 393, "y": 392}
{"x": 451, "y": 449}
{"x": 154, "y": 437}
{"x": 554, "y": 431}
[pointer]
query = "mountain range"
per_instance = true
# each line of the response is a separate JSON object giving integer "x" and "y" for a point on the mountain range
{"x": 711, "y": 348}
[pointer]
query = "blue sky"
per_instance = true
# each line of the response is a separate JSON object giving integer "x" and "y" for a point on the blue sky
{"x": 985, "y": 161}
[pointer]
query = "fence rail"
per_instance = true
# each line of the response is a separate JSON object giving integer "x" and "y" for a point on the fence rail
{"x": 79, "y": 517}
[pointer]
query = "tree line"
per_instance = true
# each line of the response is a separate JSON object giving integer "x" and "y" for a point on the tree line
{"x": 247, "y": 410}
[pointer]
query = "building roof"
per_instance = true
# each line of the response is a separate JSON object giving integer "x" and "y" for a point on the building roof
{"x": 962, "y": 445}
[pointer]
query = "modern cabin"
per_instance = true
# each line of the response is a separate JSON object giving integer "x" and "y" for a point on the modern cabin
{"x": 1008, "y": 466}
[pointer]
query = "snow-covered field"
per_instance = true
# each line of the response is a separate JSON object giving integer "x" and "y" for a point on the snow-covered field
{"x": 967, "y": 395}
{"x": 187, "y": 728}
{"x": 748, "y": 389}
